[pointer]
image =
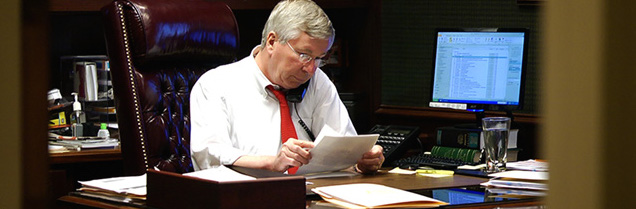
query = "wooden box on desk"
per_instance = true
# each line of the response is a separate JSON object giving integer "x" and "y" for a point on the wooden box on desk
{"x": 171, "y": 190}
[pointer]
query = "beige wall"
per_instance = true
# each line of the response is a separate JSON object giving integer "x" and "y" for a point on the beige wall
{"x": 589, "y": 77}
{"x": 10, "y": 109}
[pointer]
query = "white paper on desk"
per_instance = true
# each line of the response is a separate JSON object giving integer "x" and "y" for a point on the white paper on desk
{"x": 220, "y": 174}
{"x": 525, "y": 175}
{"x": 135, "y": 185}
{"x": 334, "y": 153}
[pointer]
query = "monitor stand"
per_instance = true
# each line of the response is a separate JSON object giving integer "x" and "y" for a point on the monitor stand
{"x": 480, "y": 114}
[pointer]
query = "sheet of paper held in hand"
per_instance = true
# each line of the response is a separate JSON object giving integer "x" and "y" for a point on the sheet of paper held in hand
{"x": 334, "y": 153}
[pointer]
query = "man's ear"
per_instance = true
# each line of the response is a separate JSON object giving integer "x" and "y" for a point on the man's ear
{"x": 271, "y": 39}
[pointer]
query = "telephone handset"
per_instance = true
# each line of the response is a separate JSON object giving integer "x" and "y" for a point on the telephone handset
{"x": 296, "y": 96}
{"x": 395, "y": 140}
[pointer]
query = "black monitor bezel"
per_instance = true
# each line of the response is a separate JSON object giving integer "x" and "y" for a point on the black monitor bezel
{"x": 524, "y": 64}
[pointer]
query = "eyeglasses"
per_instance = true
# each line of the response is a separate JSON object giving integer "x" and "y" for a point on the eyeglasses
{"x": 305, "y": 58}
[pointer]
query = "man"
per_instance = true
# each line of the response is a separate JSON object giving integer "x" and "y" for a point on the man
{"x": 235, "y": 112}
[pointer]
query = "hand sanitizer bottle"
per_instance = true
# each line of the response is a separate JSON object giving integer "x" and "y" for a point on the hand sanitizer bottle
{"x": 103, "y": 131}
{"x": 77, "y": 118}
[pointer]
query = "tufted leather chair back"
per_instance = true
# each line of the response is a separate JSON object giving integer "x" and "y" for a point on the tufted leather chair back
{"x": 157, "y": 50}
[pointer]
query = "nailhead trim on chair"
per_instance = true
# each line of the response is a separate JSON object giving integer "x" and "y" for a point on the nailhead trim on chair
{"x": 132, "y": 83}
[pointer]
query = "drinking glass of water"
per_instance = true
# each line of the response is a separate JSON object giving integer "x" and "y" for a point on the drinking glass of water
{"x": 496, "y": 131}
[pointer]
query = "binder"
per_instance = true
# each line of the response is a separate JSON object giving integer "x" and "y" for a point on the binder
{"x": 172, "y": 190}
{"x": 468, "y": 138}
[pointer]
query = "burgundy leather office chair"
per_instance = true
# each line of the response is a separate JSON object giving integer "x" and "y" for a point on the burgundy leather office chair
{"x": 157, "y": 50}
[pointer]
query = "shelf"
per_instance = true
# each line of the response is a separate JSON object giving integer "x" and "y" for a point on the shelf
{"x": 426, "y": 112}
{"x": 87, "y": 155}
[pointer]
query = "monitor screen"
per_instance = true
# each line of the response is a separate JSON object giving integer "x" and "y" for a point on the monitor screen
{"x": 456, "y": 196}
{"x": 479, "y": 69}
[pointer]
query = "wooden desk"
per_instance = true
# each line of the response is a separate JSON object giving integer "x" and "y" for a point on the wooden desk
{"x": 405, "y": 182}
{"x": 86, "y": 155}
{"x": 415, "y": 183}
{"x": 418, "y": 184}
{"x": 66, "y": 168}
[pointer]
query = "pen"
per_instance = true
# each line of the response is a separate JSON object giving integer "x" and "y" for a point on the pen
{"x": 426, "y": 171}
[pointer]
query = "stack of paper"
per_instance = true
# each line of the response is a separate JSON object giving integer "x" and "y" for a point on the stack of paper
{"x": 77, "y": 143}
{"x": 128, "y": 189}
{"x": 531, "y": 180}
{"x": 528, "y": 165}
{"x": 365, "y": 195}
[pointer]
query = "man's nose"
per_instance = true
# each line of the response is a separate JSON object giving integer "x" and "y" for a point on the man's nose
{"x": 310, "y": 67}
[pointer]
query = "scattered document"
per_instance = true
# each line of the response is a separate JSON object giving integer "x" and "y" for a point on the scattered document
{"x": 516, "y": 184}
{"x": 516, "y": 179}
{"x": 503, "y": 192}
{"x": 57, "y": 149}
{"x": 133, "y": 185}
{"x": 220, "y": 174}
{"x": 435, "y": 173}
{"x": 524, "y": 175}
{"x": 334, "y": 153}
{"x": 472, "y": 167}
{"x": 528, "y": 165}
{"x": 342, "y": 173}
{"x": 86, "y": 144}
{"x": 398, "y": 170}
{"x": 366, "y": 195}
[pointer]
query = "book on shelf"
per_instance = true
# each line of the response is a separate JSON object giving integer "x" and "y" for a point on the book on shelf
{"x": 366, "y": 195}
{"x": 466, "y": 155}
{"x": 471, "y": 138}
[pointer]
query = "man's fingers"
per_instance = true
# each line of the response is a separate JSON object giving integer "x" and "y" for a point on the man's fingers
{"x": 301, "y": 143}
{"x": 297, "y": 154}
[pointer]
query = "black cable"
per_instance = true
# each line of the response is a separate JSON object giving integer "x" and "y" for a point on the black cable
{"x": 302, "y": 123}
{"x": 417, "y": 139}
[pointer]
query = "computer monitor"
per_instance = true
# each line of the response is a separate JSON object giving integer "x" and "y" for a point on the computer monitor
{"x": 479, "y": 69}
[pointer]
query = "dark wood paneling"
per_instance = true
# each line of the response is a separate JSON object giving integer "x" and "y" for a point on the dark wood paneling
{"x": 408, "y": 35}
{"x": 95, "y": 5}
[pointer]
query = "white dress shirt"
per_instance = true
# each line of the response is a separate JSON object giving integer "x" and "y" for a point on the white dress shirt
{"x": 233, "y": 114}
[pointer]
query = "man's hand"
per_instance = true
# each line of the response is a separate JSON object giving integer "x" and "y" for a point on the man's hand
{"x": 371, "y": 161}
{"x": 294, "y": 153}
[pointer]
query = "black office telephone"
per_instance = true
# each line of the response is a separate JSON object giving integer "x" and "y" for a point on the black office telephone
{"x": 395, "y": 140}
{"x": 296, "y": 95}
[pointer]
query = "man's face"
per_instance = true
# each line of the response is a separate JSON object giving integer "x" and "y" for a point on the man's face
{"x": 286, "y": 69}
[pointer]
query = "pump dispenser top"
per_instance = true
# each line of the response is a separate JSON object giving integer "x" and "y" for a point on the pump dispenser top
{"x": 76, "y": 105}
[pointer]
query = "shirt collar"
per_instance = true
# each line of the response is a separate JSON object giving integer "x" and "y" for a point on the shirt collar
{"x": 261, "y": 80}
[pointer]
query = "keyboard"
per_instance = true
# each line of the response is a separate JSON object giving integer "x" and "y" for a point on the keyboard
{"x": 423, "y": 160}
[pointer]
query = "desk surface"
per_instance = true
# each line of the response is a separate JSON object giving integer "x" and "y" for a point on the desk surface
{"x": 416, "y": 183}
{"x": 401, "y": 181}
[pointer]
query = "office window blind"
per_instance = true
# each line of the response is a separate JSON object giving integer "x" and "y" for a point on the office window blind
{"x": 408, "y": 30}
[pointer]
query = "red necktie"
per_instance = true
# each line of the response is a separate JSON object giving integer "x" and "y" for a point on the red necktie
{"x": 287, "y": 129}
